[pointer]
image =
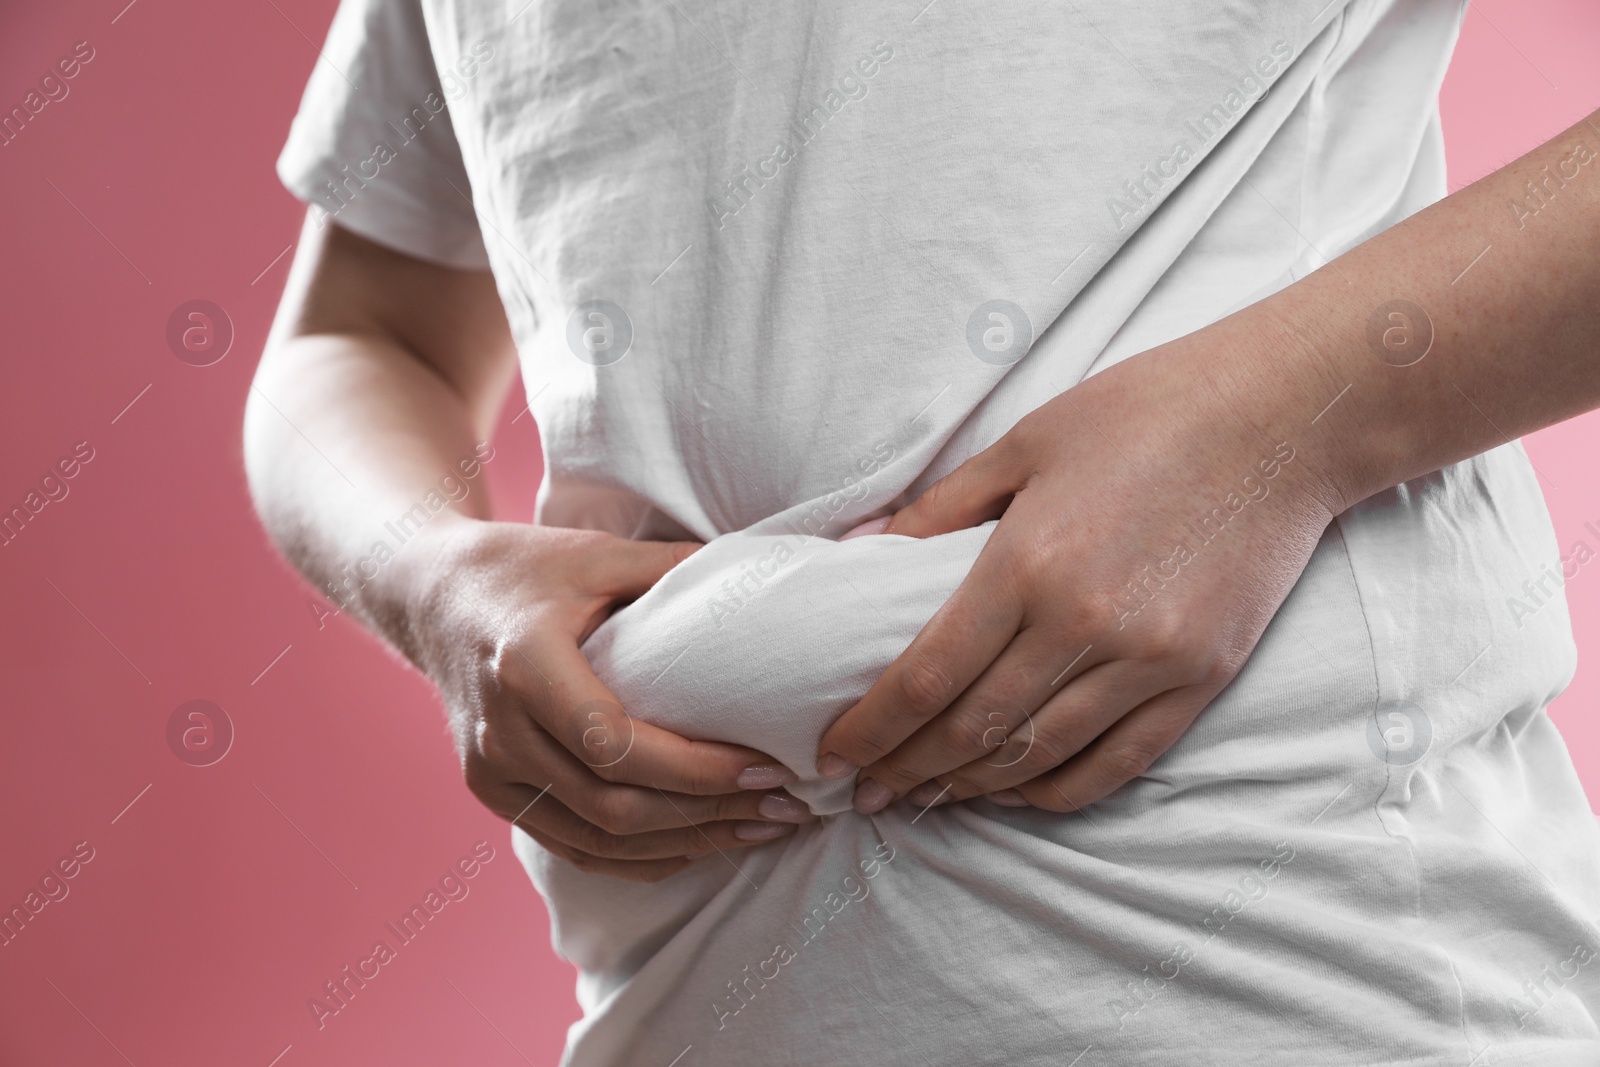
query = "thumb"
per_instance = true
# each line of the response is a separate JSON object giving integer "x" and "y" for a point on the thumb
{"x": 972, "y": 494}
{"x": 630, "y": 568}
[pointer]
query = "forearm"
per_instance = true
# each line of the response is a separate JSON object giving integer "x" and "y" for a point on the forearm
{"x": 360, "y": 455}
{"x": 341, "y": 437}
{"x": 1503, "y": 283}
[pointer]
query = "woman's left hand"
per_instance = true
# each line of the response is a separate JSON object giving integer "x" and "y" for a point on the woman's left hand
{"x": 1152, "y": 520}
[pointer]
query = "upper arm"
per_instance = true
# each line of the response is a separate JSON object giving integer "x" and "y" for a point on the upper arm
{"x": 448, "y": 319}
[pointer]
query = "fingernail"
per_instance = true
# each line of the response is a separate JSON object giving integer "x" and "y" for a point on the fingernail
{"x": 765, "y": 776}
{"x": 760, "y": 831}
{"x": 925, "y": 794}
{"x": 872, "y": 797}
{"x": 832, "y": 766}
{"x": 1009, "y": 798}
{"x": 783, "y": 808}
{"x": 871, "y": 526}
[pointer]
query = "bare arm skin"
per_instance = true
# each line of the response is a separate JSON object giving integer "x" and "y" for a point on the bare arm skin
{"x": 1504, "y": 276}
{"x": 381, "y": 374}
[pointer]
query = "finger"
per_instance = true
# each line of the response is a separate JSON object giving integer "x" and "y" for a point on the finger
{"x": 568, "y": 702}
{"x": 626, "y": 569}
{"x": 1066, "y": 724}
{"x": 870, "y": 528}
{"x": 963, "y": 637}
{"x": 619, "y": 809}
{"x": 1009, "y": 690}
{"x": 970, "y": 495}
{"x": 562, "y": 824}
{"x": 1124, "y": 752}
{"x": 627, "y": 870}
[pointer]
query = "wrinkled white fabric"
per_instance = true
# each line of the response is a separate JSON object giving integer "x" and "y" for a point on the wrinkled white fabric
{"x": 1271, "y": 887}
{"x": 810, "y": 622}
{"x": 1372, "y": 848}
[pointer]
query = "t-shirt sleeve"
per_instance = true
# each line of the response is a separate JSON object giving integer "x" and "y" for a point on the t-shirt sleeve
{"x": 372, "y": 147}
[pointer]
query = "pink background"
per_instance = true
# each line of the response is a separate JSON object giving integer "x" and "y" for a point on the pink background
{"x": 225, "y": 896}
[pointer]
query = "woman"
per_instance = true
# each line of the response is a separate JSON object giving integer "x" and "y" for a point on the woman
{"x": 777, "y": 276}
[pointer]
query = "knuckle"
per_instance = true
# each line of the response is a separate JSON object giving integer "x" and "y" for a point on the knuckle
{"x": 601, "y": 734}
{"x": 617, "y": 811}
{"x": 493, "y": 748}
{"x": 498, "y": 661}
{"x": 1225, "y": 664}
{"x": 597, "y": 841}
{"x": 1040, "y": 557}
{"x": 1048, "y": 750}
{"x": 501, "y": 738}
{"x": 1178, "y": 649}
{"x": 1167, "y": 636}
{"x": 1195, "y": 661}
{"x": 1025, "y": 746}
{"x": 1213, "y": 674}
{"x": 1126, "y": 762}
{"x": 607, "y": 772}
{"x": 481, "y": 779}
{"x": 922, "y": 687}
{"x": 972, "y": 733}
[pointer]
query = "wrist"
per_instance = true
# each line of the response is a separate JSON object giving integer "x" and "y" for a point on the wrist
{"x": 1324, "y": 390}
{"x": 1256, "y": 385}
{"x": 403, "y": 601}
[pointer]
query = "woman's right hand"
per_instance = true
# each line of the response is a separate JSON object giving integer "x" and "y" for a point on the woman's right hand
{"x": 495, "y": 614}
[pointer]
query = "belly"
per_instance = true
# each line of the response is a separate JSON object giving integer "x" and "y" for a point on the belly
{"x": 1290, "y": 872}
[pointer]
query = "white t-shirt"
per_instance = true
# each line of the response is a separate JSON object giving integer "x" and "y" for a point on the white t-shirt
{"x": 774, "y": 269}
